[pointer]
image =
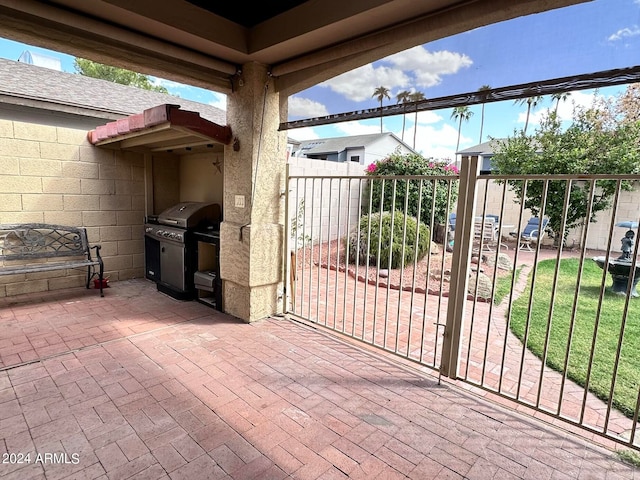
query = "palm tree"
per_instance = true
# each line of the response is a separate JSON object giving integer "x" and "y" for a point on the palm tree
{"x": 460, "y": 114}
{"x": 483, "y": 90}
{"x": 559, "y": 97}
{"x": 416, "y": 97}
{"x": 381, "y": 93}
{"x": 403, "y": 97}
{"x": 532, "y": 103}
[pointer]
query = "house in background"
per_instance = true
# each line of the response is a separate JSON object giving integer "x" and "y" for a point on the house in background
{"x": 484, "y": 151}
{"x": 359, "y": 149}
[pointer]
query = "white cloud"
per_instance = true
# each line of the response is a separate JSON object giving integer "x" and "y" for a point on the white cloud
{"x": 389, "y": 124}
{"x": 624, "y": 33}
{"x": 565, "y": 108}
{"x": 425, "y": 118}
{"x": 534, "y": 118}
{"x": 358, "y": 128}
{"x": 416, "y": 67}
{"x": 359, "y": 84}
{"x": 304, "y": 133}
{"x": 428, "y": 67}
{"x": 435, "y": 141}
{"x": 306, "y": 108}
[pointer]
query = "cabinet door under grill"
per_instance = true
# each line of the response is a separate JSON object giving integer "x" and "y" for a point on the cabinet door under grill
{"x": 172, "y": 265}
{"x": 152, "y": 258}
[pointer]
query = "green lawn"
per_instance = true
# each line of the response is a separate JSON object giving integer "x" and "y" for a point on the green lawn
{"x": 628, "y": 377}
{"x": 503, "y": 285}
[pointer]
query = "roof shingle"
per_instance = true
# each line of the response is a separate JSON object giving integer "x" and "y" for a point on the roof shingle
{"x": 102, "y": 98}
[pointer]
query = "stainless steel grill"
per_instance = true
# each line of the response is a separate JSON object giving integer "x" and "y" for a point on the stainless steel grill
{"x": 189, "y": 215}
{"x": 171, "y": 253}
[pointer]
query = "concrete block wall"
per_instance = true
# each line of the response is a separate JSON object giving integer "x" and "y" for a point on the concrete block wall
{"x": 331, "y": 206}
{"x": 598, "y": 231}
{"x": 53, "y": 175}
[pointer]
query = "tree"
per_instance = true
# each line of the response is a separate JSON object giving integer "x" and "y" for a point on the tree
{"x": 416, "y": 97}
{"x": 115, "y": 74}
{"x": 531, "y": 103}
{"x": 484, "y": 91}
{"x": 628, "y": 103}
{"x": 598, "y": 141}
{"x": 559, "y": 97}
{"x": 403, "y": 97}
{"x": 381, "y": 93}
{"x": 460, "y": 114}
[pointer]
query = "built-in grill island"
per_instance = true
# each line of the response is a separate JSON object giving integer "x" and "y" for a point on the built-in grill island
{"x": 182, "y": 252}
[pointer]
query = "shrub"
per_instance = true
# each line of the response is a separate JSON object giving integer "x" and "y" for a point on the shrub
{"x": 404, "y": 237}
{"x": 407, "y": 191}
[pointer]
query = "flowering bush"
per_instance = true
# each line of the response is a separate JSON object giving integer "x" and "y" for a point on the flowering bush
{"x": 407, "y": 190}
{"x": 437, "y": 168}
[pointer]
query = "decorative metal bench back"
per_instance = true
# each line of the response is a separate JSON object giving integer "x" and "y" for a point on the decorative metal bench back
{"x": 38, "y": 240}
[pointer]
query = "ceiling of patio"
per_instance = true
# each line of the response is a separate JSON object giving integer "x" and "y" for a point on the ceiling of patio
{"x": 204, "y": 43}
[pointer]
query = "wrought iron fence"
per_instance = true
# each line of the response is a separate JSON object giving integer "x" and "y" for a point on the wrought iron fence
{"x": 512, "y": 295}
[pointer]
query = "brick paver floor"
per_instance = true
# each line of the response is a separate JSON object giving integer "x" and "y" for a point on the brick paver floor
{"x": 139, "y": 385}
{"x": 410, "y": 324}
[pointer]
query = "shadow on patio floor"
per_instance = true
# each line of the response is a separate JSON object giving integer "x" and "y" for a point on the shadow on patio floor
{"x": 139, "y": 385}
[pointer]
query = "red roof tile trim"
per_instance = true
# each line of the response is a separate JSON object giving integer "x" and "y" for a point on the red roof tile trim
{"x": 156, "y": 116}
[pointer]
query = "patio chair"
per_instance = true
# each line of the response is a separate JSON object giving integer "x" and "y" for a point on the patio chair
{"x": 452, "y": 230}
{"x": 496, "y": 224}
{"x": 452, "y": 222}
{"x": 495, "y": 218}
{"x": 532, "y": 232}
{"x": 485, "y": 230}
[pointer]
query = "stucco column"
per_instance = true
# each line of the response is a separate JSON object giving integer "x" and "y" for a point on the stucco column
{"x": 251, "y": 234}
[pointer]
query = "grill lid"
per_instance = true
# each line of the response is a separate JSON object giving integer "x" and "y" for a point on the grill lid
{"x": 190, "y": 214}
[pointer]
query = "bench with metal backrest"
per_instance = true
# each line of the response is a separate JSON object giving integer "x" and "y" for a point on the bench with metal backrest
{"x": 533, "y": 231}
{"x": 39, "y": 247}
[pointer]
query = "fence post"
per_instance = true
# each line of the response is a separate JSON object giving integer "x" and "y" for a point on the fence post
{"x": 288, "y": 272}
{"x": 460, "y": 263}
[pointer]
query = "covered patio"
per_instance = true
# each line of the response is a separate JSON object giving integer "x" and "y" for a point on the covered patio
{"x": 140, "y": 385}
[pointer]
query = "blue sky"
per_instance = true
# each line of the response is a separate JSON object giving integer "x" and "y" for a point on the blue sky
{"x": 585, "y": 38}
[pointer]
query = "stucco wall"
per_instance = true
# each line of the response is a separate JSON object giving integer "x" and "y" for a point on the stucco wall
{"x": 201, "y": 178}
{"x": 53, "y": 175}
